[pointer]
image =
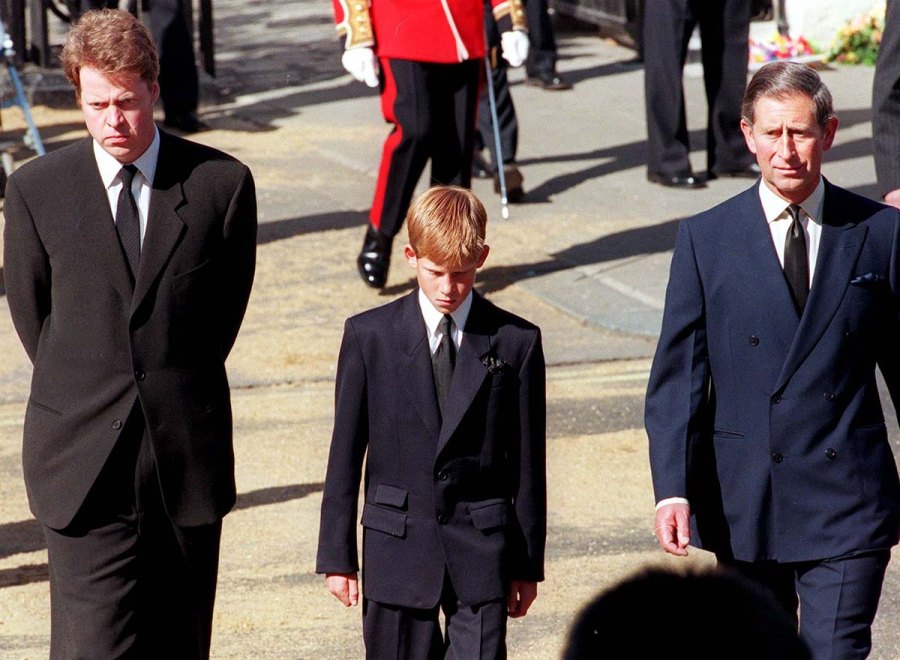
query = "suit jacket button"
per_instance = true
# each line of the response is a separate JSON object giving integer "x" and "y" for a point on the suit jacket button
{"x": 442, "y": 475}
{"x": 777, "y": 456}
{"x": 117, "y": 424}
{"x": 140, "y": 375}
{"x": 442, "y": 519}
{"x": 830, "y": 453}
{"x": 754, "y": 340}
{"x": 776, "y": 398}
{"x": 829, "y": 396}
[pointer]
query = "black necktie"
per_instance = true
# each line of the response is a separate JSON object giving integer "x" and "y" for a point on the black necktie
{"x": 796, "y": 260}
{"x": 128, "y": 224}
{"x": 443, "y": 360}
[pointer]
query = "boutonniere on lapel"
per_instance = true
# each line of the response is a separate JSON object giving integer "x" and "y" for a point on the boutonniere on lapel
{"x": 494, "y": 365}
{"x": 868, "y": 279}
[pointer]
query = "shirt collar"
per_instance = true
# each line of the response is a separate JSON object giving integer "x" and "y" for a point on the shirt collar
{"x": 774, "y": 206}
{"x": 433, "y": 317}
{"x": 110, "y": 167}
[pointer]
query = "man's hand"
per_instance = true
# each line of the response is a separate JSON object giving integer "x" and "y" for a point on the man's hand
{"x": 514, "y": 45}
{"x": 893, "y": 198}
{"x": 673, "y": 528}
{"x": 521, "y": 596}
{"x": 362, "y": 64}
{"x": 344, "y": 586}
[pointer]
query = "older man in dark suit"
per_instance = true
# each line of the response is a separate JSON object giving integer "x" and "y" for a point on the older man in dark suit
{"x": 767, "y": 440}
{"x": 128, "y": 262}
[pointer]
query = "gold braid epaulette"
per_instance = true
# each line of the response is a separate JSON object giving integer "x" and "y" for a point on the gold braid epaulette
{"x": 357, "y": 25}
{"x": 515, "y": 9}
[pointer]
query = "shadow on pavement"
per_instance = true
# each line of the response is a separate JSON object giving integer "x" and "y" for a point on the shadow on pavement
{"x": 279, "y": 230}
{"x": 28, "y": 536}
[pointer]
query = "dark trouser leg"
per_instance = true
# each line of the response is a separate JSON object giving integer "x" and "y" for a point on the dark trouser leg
{"x": 725, "y": 29}
{"x": 178, "y": 82}
{"x": 124, "y": 581}
{"x": 391, "y": 632}
{"x": 453, "y": 89}
{"x": 506, "y": 118}
{"x": 542, "y": 50}
{"x": 667, "y": 31}
{"x": 405, "y": 103}
{"x": 473, "y": 633}
{"x": 777, "y": 578}
{"x": 838, "y": 601}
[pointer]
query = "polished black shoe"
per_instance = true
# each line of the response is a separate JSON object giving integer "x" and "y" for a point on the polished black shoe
{"x": 481, "y": 169}
{"x": 752, "y": 171}
{"x": 548, "y": 80}
{"x": 514, "y": 178}
{"x": 185, "y": 122}
{"x": 686, "y": 180}
{"x": 374, "y": 258}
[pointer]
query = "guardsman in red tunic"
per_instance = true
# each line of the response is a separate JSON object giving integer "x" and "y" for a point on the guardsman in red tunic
{"x": 425, "y": 56}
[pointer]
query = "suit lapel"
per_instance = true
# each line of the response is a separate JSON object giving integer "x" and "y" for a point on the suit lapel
{"x": 164, "y": 224}
{"x": 418, "y": 381}
{"x": 839, "y": 249}
{"x": 95, "y": 221}
{"x": 469, "y": 373}
{"x": 765, "y": 276}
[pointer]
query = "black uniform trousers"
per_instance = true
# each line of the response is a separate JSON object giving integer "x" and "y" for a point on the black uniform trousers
{"x": 507, "y": 123}
{"x": 724, "y": 30}
{"x": 837, "y": 598}
{"x": 391, "y": 632}
{"x": 125, "y": 582}
{"x": 432, "y": 107}
{"x": 542, "y": 42}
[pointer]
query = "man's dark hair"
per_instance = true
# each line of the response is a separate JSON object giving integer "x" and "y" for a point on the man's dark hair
{"x": 708, "y": 614}
{"x": 780, "y": 80}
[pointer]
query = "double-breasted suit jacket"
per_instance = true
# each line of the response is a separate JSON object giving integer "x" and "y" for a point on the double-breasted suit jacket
{"x": 769, "y": 422}
{"x": 464, "y": 495}
{"x": 100, "y": 341}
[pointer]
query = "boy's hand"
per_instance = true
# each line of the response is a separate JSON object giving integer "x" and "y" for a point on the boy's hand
{"x": 344, "y": 586}
{"x": 521, "y": 596}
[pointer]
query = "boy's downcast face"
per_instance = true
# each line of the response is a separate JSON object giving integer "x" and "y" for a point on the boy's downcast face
{"x": 445, "y": 286}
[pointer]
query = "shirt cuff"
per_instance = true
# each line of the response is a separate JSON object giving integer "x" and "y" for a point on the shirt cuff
{"x": 671, "y": 500}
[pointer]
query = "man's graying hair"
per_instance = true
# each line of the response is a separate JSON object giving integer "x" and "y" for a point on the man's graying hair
{"x": 780, "y": 80}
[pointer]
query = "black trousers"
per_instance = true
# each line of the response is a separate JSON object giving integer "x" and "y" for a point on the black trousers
{"x": 432, "y": 108}
{"x": 837, "y": 598}
{"x": 724, "y": 30}
{"x": 542, "y": 42}
{"x": 478, "y": 632}
{"x": 507, "y": 122}
{"x": 125, "y": 582}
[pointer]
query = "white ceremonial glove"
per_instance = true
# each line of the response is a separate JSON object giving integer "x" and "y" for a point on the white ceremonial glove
{"x": 362, "y": 64}
{"x": 514, "y": 45}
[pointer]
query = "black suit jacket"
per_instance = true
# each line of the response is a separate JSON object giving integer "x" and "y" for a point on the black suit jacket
{"x": 467, "y": 495}
{"x": 768, "y": 422}
{"x": 99, "y": 341}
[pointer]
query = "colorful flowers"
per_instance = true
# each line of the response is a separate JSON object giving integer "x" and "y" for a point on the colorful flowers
{"x": 779, "y": 47}
{"x": 858, "y": 41}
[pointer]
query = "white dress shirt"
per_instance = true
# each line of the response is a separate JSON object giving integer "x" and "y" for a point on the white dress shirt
{"x": 433, "y": 319}
{"x": 141, "y": 185}
{"x": 779, "y": 220}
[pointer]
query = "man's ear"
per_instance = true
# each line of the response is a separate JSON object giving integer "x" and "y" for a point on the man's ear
{"x": 828, "y": 134}
{"x": 484, "y": 254}
{"x": 410, "y": 255}
{"x": 747, "y": 130}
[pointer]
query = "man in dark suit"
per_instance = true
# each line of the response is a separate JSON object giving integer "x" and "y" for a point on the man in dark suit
{"x": 767, "y": 441}
{"x": 443, "y": 393}
{"x": 886, "y": 108}
{"x": 129, "y": 258}
{"x": 724, "y": 29}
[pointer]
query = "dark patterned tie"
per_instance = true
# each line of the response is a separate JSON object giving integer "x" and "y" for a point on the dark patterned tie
{"x": 796, "y": 260}
{"x": 443, "y": 360}
{"x": 128, "y": 223}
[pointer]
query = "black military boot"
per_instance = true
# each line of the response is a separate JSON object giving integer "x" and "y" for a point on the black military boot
{"x": 374, "y": 258}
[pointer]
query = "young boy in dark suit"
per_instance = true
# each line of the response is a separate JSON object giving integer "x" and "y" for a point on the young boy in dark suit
{"x": 443, "y": 394}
